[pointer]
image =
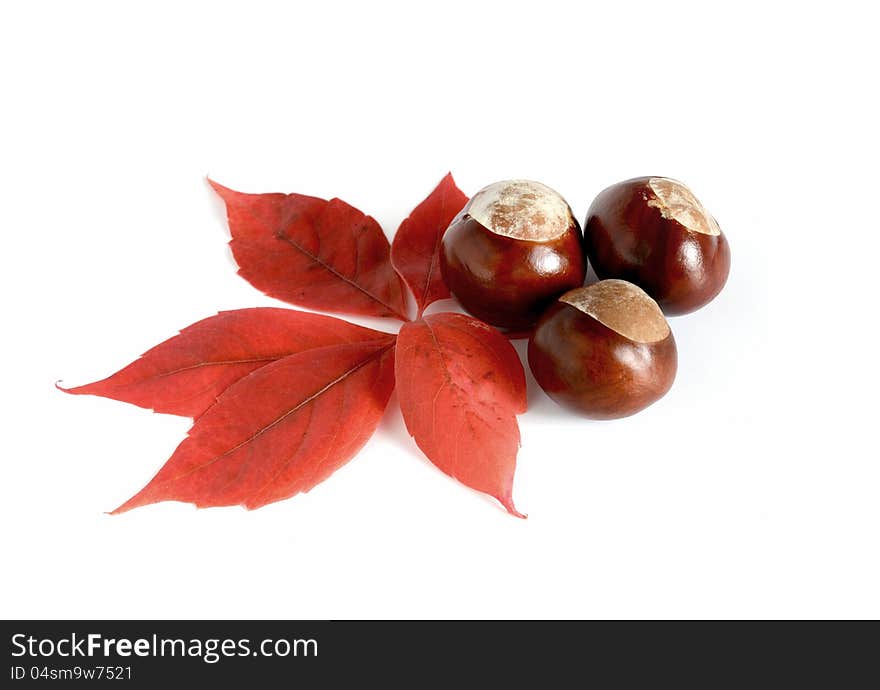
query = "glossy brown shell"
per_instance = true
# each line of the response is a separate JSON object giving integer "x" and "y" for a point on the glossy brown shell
{"x": 504, "y": 281}
{"x": 586, "y": 366}
{"x": 626, "y": 237}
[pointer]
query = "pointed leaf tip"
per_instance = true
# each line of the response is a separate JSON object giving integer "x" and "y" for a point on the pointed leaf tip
{"x": 415, "y": 251}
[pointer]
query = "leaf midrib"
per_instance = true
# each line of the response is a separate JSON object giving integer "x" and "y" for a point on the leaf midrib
{"x": 281, "y": 235}
{"x": 278, "y": 420}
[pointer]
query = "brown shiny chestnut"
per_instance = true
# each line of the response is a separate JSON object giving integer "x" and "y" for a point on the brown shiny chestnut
{"x": 512, "y": 249}
{"x": 604, "y": 350}
{"x": 652, "y": 231}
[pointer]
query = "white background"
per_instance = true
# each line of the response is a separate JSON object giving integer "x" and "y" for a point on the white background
{"x": 751, "y": 490}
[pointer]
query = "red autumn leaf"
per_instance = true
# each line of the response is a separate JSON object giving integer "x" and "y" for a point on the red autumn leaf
{"x": 416, "y": 247}
{"x": 315, "y": 253}
{"x": 185, "y": 374}
{"x": 280, "y": 430}
{"x": 461, "y": 385}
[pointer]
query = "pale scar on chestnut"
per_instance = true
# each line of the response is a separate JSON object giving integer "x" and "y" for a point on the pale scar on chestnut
{"x": 677, "y": 202}
{"x": 623, "y": 307}
{"x": 521, "y": 210}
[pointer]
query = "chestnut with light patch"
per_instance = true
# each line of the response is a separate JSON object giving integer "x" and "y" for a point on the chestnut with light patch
{"x": 605, "y": 350}
{"x": 511, "y": 250}
{"x": 654, "y": 232}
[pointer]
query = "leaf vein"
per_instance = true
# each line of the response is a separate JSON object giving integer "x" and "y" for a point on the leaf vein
{"x": 327, "y": 267}
{"x": 278, "y": 420}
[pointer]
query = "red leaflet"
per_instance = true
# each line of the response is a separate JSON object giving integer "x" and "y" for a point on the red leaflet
{"x": 315, "y": 253}
{"x": 279, "y": 431}
{"x": 461, "y": 385}
{"x": 416, "y": 246}
{"x": 185, "y": 374}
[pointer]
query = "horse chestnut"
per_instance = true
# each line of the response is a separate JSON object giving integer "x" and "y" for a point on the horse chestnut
{"x": 512, "y": 249}
{"x": 653, "y": 231}
{"x": 604, "y": 350}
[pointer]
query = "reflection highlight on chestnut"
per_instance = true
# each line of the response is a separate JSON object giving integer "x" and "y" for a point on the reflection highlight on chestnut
{"x": 605, "y": 350}
{"x": 511, "y": 250}
{"x": 653, "y": 231}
